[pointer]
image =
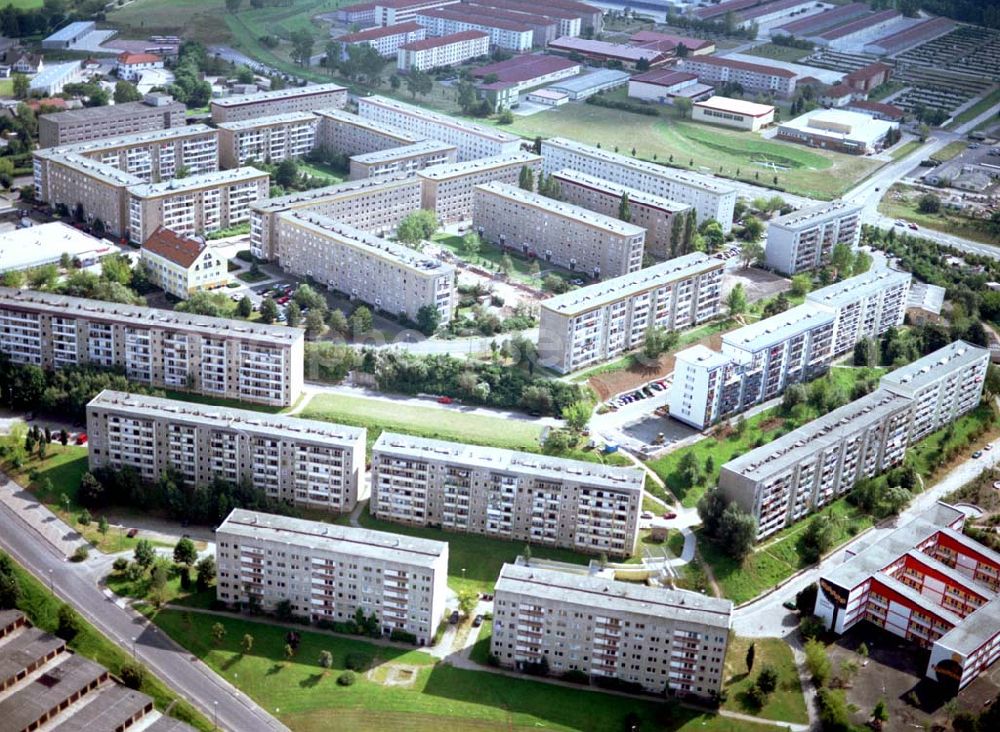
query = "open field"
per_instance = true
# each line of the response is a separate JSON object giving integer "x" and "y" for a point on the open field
{"x": 42, "y": 608}
{"x": 450, "y": 424}
{"x": 905, "y": 149}
{"x": 474, "y": 561}
{"x": 779, "y": 53}
{"x": 803, "y": 170}
{"x": 786, "y": 703}
{"x": 436, "y": 696}
{"x": 900, "y": 202}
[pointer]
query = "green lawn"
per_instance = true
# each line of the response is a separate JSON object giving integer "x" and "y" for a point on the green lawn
{"x": 481, "y": 557}
{"x": 450, "y": 424}
{"x": 803, "y": 170}
{"x": 489, "y": 257}
{"x": 41, "y": 607}
{"x": 786, "y": 703}
{"x": 319, "y": 170}
{"x": 925, "y": 456}
{"x": 480, "y": 652}
{"x": 951, "y": 150}
{"x": 905, "y": 149}
{"x": 6, "y": 87}
{"x": 976, "y": 109}
{"x": 900, "y": 202}
{"x": 779, "y": 53}
{"x": 139, "y": 590}
{"x": 435, "y": 696}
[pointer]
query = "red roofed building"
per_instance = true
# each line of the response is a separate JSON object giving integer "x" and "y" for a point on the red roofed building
{"x": 838, "y": 96}
{"x": 669, "y": 42}
{"x": 878, "y": 110}
{"x": 129, "y": 66}
{"x": 753, "y": 78}
{"x": 385, "y": 39}
{"x": 448, "y": 50}
{"x": 182, "y": 265}
{"x": 868, "y": 77}
{"x": 362, "y": 14}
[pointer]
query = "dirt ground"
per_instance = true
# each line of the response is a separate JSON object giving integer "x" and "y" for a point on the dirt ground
{"x": 895, "y": 671}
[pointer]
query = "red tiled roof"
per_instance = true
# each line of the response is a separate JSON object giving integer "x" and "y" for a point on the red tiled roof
{"x": 137, "y": 58}
{"x": 170, "y": 245}
{"x": 838, "y": 91}
{"x": 468, "y": 35}
{"x": 868, "y": 72}
{"x": 859, "y": 25}
{"x": 357, "y": 8}
{"x": 692, "y": 44}
{"x": 379, "y": 32}
{"x": 456, "y": 12}
{"x": 713, "y": 11}
{"x": 742, "y": 65}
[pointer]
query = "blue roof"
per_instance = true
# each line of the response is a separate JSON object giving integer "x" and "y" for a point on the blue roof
{"x": 590, "y": 80}
{"x": 71, "y": 31}
{"x": 53, "y": 73}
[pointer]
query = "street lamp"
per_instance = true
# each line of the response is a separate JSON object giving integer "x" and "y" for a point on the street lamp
{"x": 133, "y": 648}
{"x": 463, "y": 573}
{"x": 52, "y": 588}
{"x": 215, "y": 715}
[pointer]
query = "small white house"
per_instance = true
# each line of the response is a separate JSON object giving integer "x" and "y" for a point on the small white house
{"x": 182, "y": 265}
{"x": 130, "y": 66}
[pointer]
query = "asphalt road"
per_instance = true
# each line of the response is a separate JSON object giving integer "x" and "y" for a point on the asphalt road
{"x": 73, "y": 583}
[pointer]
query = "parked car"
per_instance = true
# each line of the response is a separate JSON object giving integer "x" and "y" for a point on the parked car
{"x": 81, "y": 439}
{"x": 445, "y": 400}
{"x": 670, "y": 515}
{"x": 977, "y": 454}
{"x": 914, "y": 227}
{"x": 477, "y": 621}
{"x": 789, "y": 605}
{"x": 132, "y": 533}
{"x": 647, "y": 514}
{"x": 454, "y": 617}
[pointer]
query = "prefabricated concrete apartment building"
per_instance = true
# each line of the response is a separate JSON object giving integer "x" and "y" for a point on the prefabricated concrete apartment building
{"x": 328, "y": 572}
{"x": 267, "y": 139}
{"x": 316, "y": 465}
{"x": 509, "y": 495}
{"x": 216, "y": 357}
{"x": 804, "y": 240}
{"x": 281, "y": 101}
{"x": 155, "y": 112}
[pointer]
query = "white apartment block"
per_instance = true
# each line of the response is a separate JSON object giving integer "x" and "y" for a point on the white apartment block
{"x": 351, "y": 134}
{"x": 282, "y": 101}
{"x": 390, "y": 277}
{"x": 655, "y": 214}
{"x": 754, "y": 78}
{"x": 182, "y": 265}
{"x": 448, "y": 189}
{"x": 385, "y": 39}
{"x": 149, "y": 156}
{"x": 709, "y": 198}
{"x": 402, "y": 160}
{"x": 155, "y": 112}
{"x": 557, "y": 233}
{"x": 473, "y": 140}
{"x": 866, "y": 305}
{"x": 299, "y": 461}
{"x": 450, "y": 50}
{"x": 664, "y": 640}
{"x": 329, "y": 572}
{"x": 163, "y": 348}
{"x": 804, "y": 240}
{"x": 267, "y": 139}
{"x": 374, "y": 205}
{"x": 601, "y": 321}
{"x": 512, "y": 35}
{"x": 196, "y": 205}
{"x": 390, "y": 12}
{"x": 505, "y": 494}
{"x": 798, "y": 473}
{"x": 102, "y": 190}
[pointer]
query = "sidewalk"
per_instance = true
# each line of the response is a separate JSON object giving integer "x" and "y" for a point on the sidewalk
{"x": 61, "y": 537}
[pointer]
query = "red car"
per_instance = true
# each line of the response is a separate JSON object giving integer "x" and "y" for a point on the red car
{"x": 283, "y": 300}
{"x": 445, "y": 400}
{"x": 82, "y": 439}
{"x": 670, "y": 515}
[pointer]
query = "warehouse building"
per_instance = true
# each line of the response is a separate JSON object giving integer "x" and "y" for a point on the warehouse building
{"x": 837, "y": 129}
{"x": 331, "y": 572}
{"x": 267, "y": 139}
{"x": 154, "y": 112}
{"x": 281, "y": 101}
{"x": 216, "y": 357}
{"x": 665, "y": 85}
{"x": 519, "y": 74}
{"x": 556, "y": 233}
{"x": 510, "y": 495}
{"x": 601, "y": 52}
{"x": 42, "y": 244}
{"x": 301, "y": 462}
{"x": 575, "y": 622}
{"x": 803, "y": 240}
{"x": 586, "y": 85}
{"x": 596, "y": 323}
{"x": 668, "y": 42}
{"x": 448, "y": 189}
{"x": 733, "y": 113}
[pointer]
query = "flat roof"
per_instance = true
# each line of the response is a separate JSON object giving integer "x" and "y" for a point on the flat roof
{"x": 778, "y": 328}
{"x": 194, "y": 182}
{"x": 809, "y": 216}
{"x": 437, "y": 42}
{"x": 860, "y": 24}
{"x": 840, "y": 124}
{"x": 37, "y": 245}
{"x": 95, "y": 169}
{"x": 703, "y": 357}
{"x": 860, "y": 286}
{"x": 140, "y": 316}
{"x": 437, "y": 118}
{"x": 242, "y": 420}
{"x": 511, "y": 461}
{"x": 599, "y": 294}
{"x": 267, "y": 121}
{"x": 660, "y": 171}
{"x": 635, "y": 196}
{"x": 369, "y": 34}
{"x": 167, "y": 724}
{"x": 736, "y": 106}
{"x": 444, "y": 171}
{"x": 25, "y": 649}
{"x": 31, "y": 701}
{"x": 110, "y": 707}
{"x": 933, "y": 366}
{"x": 424, "y": 147}
{"x": 975, "y": 628}
{"x": 71, "y": 31}
{"x": 279, "y": 94}
{"x": 384, "y": 249}
{"x": 316, "y": 196}
{"x": 348, "y": 118}
{"x": 621, "y": 51}
{"x": 526, "y": 67}
{"x": 927, "y": 297}
{"x": 361, "y": 543}
{"x": 564, "y": 210}
{"x": 110, "y": 111}
{"x": 664, "y": 77}
{"x": 731, "y": 63}
{"x": 139, "y": 138}
{"x": 589, "y": 80}
{"x": 602, "y": 595}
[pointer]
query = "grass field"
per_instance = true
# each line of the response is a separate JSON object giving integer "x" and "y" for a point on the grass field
{"x": 900, "y": 202}
{"x": 318, "y": 170}
{"x": 434, "y": 696}
{"x": 450, "y": 424}
{"x": 489, "y": 257}
{"x": 820, "y": 174}
{"x": 779, "y": 53}
{"x": 786, "y": 703}
{"x": 474, "y": 561}
{"x": 42, "y": 608}
{"x": 925, "y": 455}
{"x": 976, "y": 109}
{"x": 139, "y": 590}
{"x": 905, "y": 149}
{"x": 951, "y": 150}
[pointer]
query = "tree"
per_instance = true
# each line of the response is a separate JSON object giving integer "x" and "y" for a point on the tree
{"x": 22, "y": 86}
{"x": 290, "y": 651}
{"x": 683, "y": 105}
{"x": 302, "y": 46}
{"x": 471, "y": 243}
{"x": 419, "y": 82}
{"x": 801, "y": 284}
{"x": 126, "y": 91}
{"x": 91, "y": 492}
{"x": 753, "y": 229}
{"x": 428, "y": 319}
{"x": 506, "y": 265}
{"x": 526, "y": 179}
{"x": 246, "y": 645}
{"x": 711, "y": 506}
{"x": 245, "y": 307}
{"x": 842, "y": 259}
{"x": 315, "y": 324}
{"x": 689, "y": 470}
{"x": 132, "y": 675}
{"x": 577, "y": 415}
{"x": 658, "y": 340}
{"x": 287, "y": 173}
{"x": 751, "y": 252}
{"x": 767, "y": 681}
{"x": 293, "y": 314}
{"x": 862, "y": 263}
{"x": 185, "y": 552}
{"x": 68, "y": 624}
{"x": 467, "y": 601}
{"x": 417, "y": 227}
{"x": 218, "y": 633}
{"x": 881, "y": 712}
{"x": 794, "y": 395}
{"x": 624, "y": 209}
{"x": 144, "y": 553}
{"x": 336, "y": 321}
{"x": 738, "y": 531}
{"x": 865, "y": 353}
{"x": 713, "y": 235}
{"x": 102, "y": 526}
{"x": 63, "y": 437}
{"x": 325, "y": 660}
{"x": 817, "y": 661}
{"x": 10, "y": 590}
{"x": 360, "y": 321}
{"x": 929, "y": 204}
{"x": 268, "y": 311}
{"x": 736, "y": 301}
{"x": 85, "y": 518}
{"x": 751, "y": 654}
{"x": 205, "y": 572}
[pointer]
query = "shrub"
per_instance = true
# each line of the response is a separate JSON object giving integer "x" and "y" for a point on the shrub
{"x": 347, "y": 678}
{"x": 69, "y": 623}
{"x": 358, "y": 661}
{"x": 133, "y": 675}
{"x": 120, "y": 565}
{"x": 576, "y": 676}
{"x": 81, "y": 553}
{"x": 402, "y": 636}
